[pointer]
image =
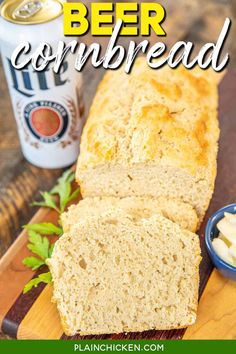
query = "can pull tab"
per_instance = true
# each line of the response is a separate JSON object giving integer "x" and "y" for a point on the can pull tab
{"x": 27, "y": 9}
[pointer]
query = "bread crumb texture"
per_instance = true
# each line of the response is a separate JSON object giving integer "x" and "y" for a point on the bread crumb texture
{"x": 119, "y": 273}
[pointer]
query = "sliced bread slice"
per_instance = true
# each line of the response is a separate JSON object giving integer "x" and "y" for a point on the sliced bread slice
{"x": 181, "y": 213}
{"x": 116, "y": 273}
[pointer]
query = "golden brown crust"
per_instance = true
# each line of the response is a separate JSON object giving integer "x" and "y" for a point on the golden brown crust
{"x": 166, "y": 117}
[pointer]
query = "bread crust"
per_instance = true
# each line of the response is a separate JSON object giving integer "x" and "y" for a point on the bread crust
{"x": 164, "y": 117}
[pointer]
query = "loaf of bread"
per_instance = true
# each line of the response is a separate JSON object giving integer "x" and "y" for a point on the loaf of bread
{"x": 181, "y": 213}
{"x": 116, "y": 273}
{"x": 152, "y": 133}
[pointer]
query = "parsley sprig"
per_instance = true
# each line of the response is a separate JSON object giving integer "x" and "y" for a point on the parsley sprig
{"x": 63, "y": 190}
{"x": 45, "y": 228}
{"x": 58, "y": 199}
{"x": 42, "y": 278}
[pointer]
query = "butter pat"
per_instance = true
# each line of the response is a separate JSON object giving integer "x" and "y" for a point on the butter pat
{"x": 225, "y": 244}
{"x": 227, "y": 226}
{"x": 222, "y": 250}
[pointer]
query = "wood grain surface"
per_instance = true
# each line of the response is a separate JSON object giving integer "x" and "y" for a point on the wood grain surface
{"x": 13, "y": 274}
{"x": 217, "y": 311}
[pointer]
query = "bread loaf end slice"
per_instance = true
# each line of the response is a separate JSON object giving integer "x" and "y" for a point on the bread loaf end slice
{"x": 115, "y": 273}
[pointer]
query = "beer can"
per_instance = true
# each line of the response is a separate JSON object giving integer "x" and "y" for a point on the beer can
{"x": 47, "y": 105}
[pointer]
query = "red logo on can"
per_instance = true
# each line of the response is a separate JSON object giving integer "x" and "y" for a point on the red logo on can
{"x": 46, "y": 120}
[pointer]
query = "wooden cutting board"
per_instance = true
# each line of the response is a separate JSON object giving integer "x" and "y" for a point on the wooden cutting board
{"x": 33, "y": 316}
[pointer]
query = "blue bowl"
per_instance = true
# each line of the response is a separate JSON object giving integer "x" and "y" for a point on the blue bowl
{"x": 211, "y": 232}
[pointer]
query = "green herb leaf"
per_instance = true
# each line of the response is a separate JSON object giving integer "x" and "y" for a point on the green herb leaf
{"x": 42, "y": 278}
{"x": 47, "y": 202}
{"x": 67, "y": 177}
{"x": 50, "y": 250}
{"x": 38, "y": 245}
{"x": 74, "y": 195}
{"x": 45, "y": 228}
{"x": 33, "y": 262}
{"x": 63, "y": 188}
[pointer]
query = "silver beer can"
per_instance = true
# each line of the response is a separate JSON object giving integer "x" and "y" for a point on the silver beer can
{"x": 47, "y": 105}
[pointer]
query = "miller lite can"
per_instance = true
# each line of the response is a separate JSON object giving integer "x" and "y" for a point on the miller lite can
{"x": 47, "y": 105}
